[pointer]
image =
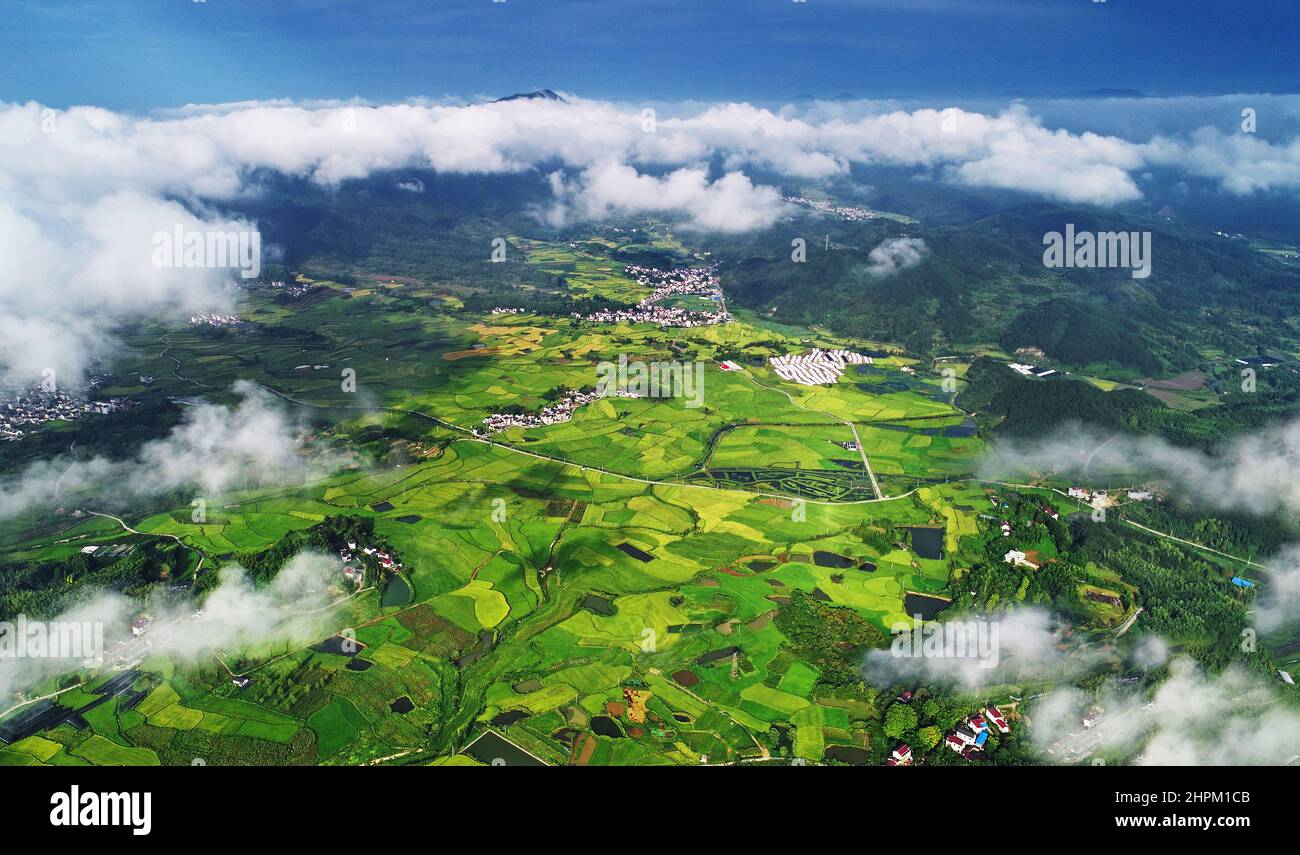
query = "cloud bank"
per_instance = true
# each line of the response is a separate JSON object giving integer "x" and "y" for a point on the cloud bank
{"x": 1254, "y": 473}
{"x": 291, "y": 608}
{"x": 1005, "y": 647}
{"x": 1193, "y": 719}
{"x": 83, "y": 190}
{"x": 214, "y": 450}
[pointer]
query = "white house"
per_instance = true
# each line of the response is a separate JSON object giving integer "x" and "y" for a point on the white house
{"x": 1019, "y": 559}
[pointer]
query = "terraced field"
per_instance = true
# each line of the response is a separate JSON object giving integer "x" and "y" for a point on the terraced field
{"x": 608, "y": 589}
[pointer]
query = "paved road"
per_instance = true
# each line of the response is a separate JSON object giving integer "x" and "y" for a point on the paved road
{"x": 875, "y": 488}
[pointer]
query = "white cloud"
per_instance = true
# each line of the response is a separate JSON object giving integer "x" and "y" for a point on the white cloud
{"x": 730, "y": 204}
{"x": 999, "y": 648}
{"x": 82, "y": 187}
{"x": 1241, "y": 163}
{"x": 1252, "y": 473}
{"x": 895, "y": 254}
{"x": 1193, "y": 719}
{"x": 291, "y": 608}
{"x": 215, "y": 450}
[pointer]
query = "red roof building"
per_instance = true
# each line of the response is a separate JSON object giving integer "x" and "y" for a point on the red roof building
{"x": 999, "y": 721}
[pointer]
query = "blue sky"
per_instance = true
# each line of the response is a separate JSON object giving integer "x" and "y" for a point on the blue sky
{"x": 144, "y": 54}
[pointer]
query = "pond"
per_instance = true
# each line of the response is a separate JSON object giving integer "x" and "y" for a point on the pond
{"x": 396, "y": 592}
{"x": 849, "y": 754}
{"x": 715, "y": 655}
{"x": 635, "y": 552}
{"x": 926, "y": 606}
{"x": 356, "y": 664}
{"x": 496, "y": 750}
{"x": 485, "y": 639}
{"x": 509, "y": 717}
{"x": 822, "y": 558}
{"x": 598, "y": 604}
{"x": 603, "y": 725}
{"x": 339, "y": 646}
{"x": 402, "y": 705}
{"x": 927, "y": 542}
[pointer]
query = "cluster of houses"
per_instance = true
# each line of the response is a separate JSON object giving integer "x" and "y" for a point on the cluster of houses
{"x": 561, "y": 411}
{"x": 502, "y": 310}
{"x": 698, "y": 281}
{"x": 681, "y": 281}
{"x": 1101, "y": 497}
{"x": 664, "y": 316}
{"x": 213, "y": 319}
{"x": 35, "y": 406}
{"x": 844, "y": 212}
{"x": 817, "y": 367}
{"x": 293, "y": 289}
{"x": 969, "y": 737}
{"x": 352, "y": 566}
{"x": 1083, "y": 494}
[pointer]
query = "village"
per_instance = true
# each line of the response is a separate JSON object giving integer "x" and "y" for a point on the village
{"x": 214, "y": 319}
{"x": 968, "y": 738}
{"x": 679, "y": 282}
{"x": 35, "y": 406}
{"x": 561, "y": 411}
{"x": 354, "y": 568}
{"x": 845, "y": 212}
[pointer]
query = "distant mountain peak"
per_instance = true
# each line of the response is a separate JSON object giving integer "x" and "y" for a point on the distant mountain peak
{"x": 539, "y": 95}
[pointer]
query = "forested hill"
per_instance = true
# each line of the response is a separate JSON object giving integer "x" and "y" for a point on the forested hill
{"x": 1008, "y": 404}
{"x": 980, "y": 281}
{"x": 984, "y": 281}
